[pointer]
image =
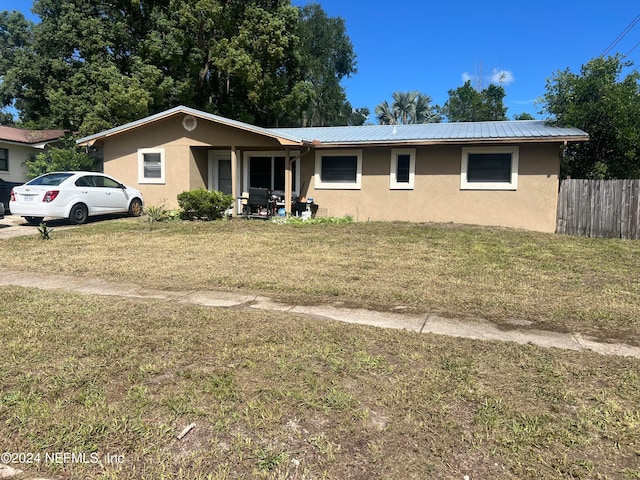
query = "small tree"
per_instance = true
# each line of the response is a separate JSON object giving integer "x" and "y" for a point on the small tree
{"x": 466, "y": 104}
{"x": 202, "y": 204}
{"x": 59, "y": 159}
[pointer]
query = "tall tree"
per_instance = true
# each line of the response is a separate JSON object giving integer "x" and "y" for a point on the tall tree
{"x": 466, "y": 104}
{"x": 92, "y": 64}
{"x": 600, "y": 101}
{"x": 15, "y": 37}
{"x": 327, "y": 57}
{"x": 407, "y": 108}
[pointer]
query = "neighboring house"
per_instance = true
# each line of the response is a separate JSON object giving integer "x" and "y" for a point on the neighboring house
{"x": 488, "y": 173}
{"x": 17, "y": 145}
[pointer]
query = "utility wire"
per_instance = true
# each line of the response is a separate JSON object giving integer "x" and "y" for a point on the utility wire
{"x": 632, "y": 49}
{"x": 621, "y": 36}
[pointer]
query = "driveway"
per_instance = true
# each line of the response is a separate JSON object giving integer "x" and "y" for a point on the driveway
{"x": 15, "y": 226}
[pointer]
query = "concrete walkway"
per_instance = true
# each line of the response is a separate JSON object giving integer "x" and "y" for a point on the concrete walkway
{"x": 429, "y": 323}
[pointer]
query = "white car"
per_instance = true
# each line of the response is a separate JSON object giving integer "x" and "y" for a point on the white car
{"x": 73, "y": 195}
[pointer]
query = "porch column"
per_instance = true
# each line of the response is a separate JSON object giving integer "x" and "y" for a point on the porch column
{"x": 234, "y": 183}
{"x": 287, "y": 181}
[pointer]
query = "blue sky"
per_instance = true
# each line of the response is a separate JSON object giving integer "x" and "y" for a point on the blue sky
{"x": 433, "y": 46}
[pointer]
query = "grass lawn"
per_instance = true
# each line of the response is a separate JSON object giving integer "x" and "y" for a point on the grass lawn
{"x": 560, "y": 283}
{"x": 279, "y": 396}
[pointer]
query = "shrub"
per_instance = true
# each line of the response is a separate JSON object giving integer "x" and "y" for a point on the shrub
{"x": 156, "y": 213}
{"x": 203, "y": 204}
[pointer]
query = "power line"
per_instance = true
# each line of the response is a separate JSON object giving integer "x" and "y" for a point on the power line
{"x": 621, "y": 36}
{"x": 632, "y": 49}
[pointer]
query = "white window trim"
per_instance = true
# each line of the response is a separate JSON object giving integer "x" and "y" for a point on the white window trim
{"x": 319, "y": 184}
{"x": 141, "y": 178}
{"x": 293, "y": 156}
{"x": 393, "y": 177}
{"x": 512, "y": 185}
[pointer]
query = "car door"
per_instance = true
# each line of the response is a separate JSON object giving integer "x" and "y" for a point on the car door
{"x": 116, "y": 199}
{"x": 91, "y": 194}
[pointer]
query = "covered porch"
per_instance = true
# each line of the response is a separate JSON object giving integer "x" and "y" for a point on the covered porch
{"x": 262, "y": 182}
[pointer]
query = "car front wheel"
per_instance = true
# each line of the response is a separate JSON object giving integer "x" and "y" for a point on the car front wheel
{"x": 79, "y": 214}
{"x": 135, "y": 207}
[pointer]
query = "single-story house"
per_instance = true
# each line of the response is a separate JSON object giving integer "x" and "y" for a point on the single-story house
{"x": 17, "y": 144}
{"x": 488, "y": 173}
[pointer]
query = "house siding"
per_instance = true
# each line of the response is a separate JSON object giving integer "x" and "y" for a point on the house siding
{"x": 186, "y": 163}
{"x": 18, "y": 156}
{"x": 437, "y": 196}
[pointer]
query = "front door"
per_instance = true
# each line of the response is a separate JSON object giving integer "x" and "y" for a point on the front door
{"x": 220, "y": 172}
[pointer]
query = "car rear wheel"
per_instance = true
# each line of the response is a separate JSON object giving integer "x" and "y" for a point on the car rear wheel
{"x": 135, "y": 207}
{"x": 33, "y": 220}
{"x": 78, "y": 214}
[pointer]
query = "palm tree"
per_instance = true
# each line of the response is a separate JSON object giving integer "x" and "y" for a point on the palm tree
{"x": 425, "y": 112}
{"x": 385, "y": 114}
{"x": 407, "y": 108}
{"x": 404, "y": 106}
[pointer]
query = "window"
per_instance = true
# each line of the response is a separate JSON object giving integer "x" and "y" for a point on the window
{"x": 50, "y": 179}
{"x": 340, "y": 169}
{"x": 489, "y": 168}
{"x": 260, "y": 173}
{"x": 4, "y": 159}
{"x": 267, "y": 169}
{"x": 403, "y": 166}
{"x": 151, "y": 165}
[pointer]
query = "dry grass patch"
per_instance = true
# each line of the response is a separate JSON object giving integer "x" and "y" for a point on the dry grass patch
{"x": 558, "y": 282}
{"x": 278, "y": 396}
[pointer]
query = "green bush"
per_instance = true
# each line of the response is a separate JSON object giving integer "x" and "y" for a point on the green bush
{"x": 202, "y": 204}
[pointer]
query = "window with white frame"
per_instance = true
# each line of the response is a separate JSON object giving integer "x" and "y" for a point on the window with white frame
{"x": 489, "y": 168}
{"x": 151, "y": 165}
{"x": 267, "y": 170}
{"x": 403, "y": 168}
{"x": 338, "y": 169}
{"x": 4, "y": 159}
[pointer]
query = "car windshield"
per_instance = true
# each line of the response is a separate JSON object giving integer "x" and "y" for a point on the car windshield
{"x": 50, "y": 179}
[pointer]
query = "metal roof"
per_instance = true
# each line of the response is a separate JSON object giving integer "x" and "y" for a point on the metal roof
{"x": 522, "y": 130}
{"x": 436, "y": 132}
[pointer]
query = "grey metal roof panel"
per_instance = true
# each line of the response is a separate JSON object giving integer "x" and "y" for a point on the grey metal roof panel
{"x": 427, "y": 133}
{"x": 432, "y": 132}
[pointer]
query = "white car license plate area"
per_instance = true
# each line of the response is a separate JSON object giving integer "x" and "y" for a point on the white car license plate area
{"x": 28, "y": 198}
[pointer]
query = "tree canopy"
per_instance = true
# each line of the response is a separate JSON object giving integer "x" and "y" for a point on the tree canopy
{"x": 605, "y": 104}
{"x": 407, "y": 108}
{"x": 89, "y": 65}
{"x": 466, "y": 104}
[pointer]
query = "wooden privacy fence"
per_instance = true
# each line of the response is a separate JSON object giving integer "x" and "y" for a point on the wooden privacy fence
{"x": 599, "y": 208}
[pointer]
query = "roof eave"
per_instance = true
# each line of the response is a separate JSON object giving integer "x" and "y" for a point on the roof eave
{"x": 282, "y": 139}
{"x": 449, "y": 141}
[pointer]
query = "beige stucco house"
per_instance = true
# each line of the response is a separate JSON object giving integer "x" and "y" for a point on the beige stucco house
{"x": 487, "y": 173}
{"x": 17, "y": 145}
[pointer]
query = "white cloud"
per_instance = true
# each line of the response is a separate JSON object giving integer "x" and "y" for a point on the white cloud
{"x": 498, "y": 76}
{"x": 503, "y": 77}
